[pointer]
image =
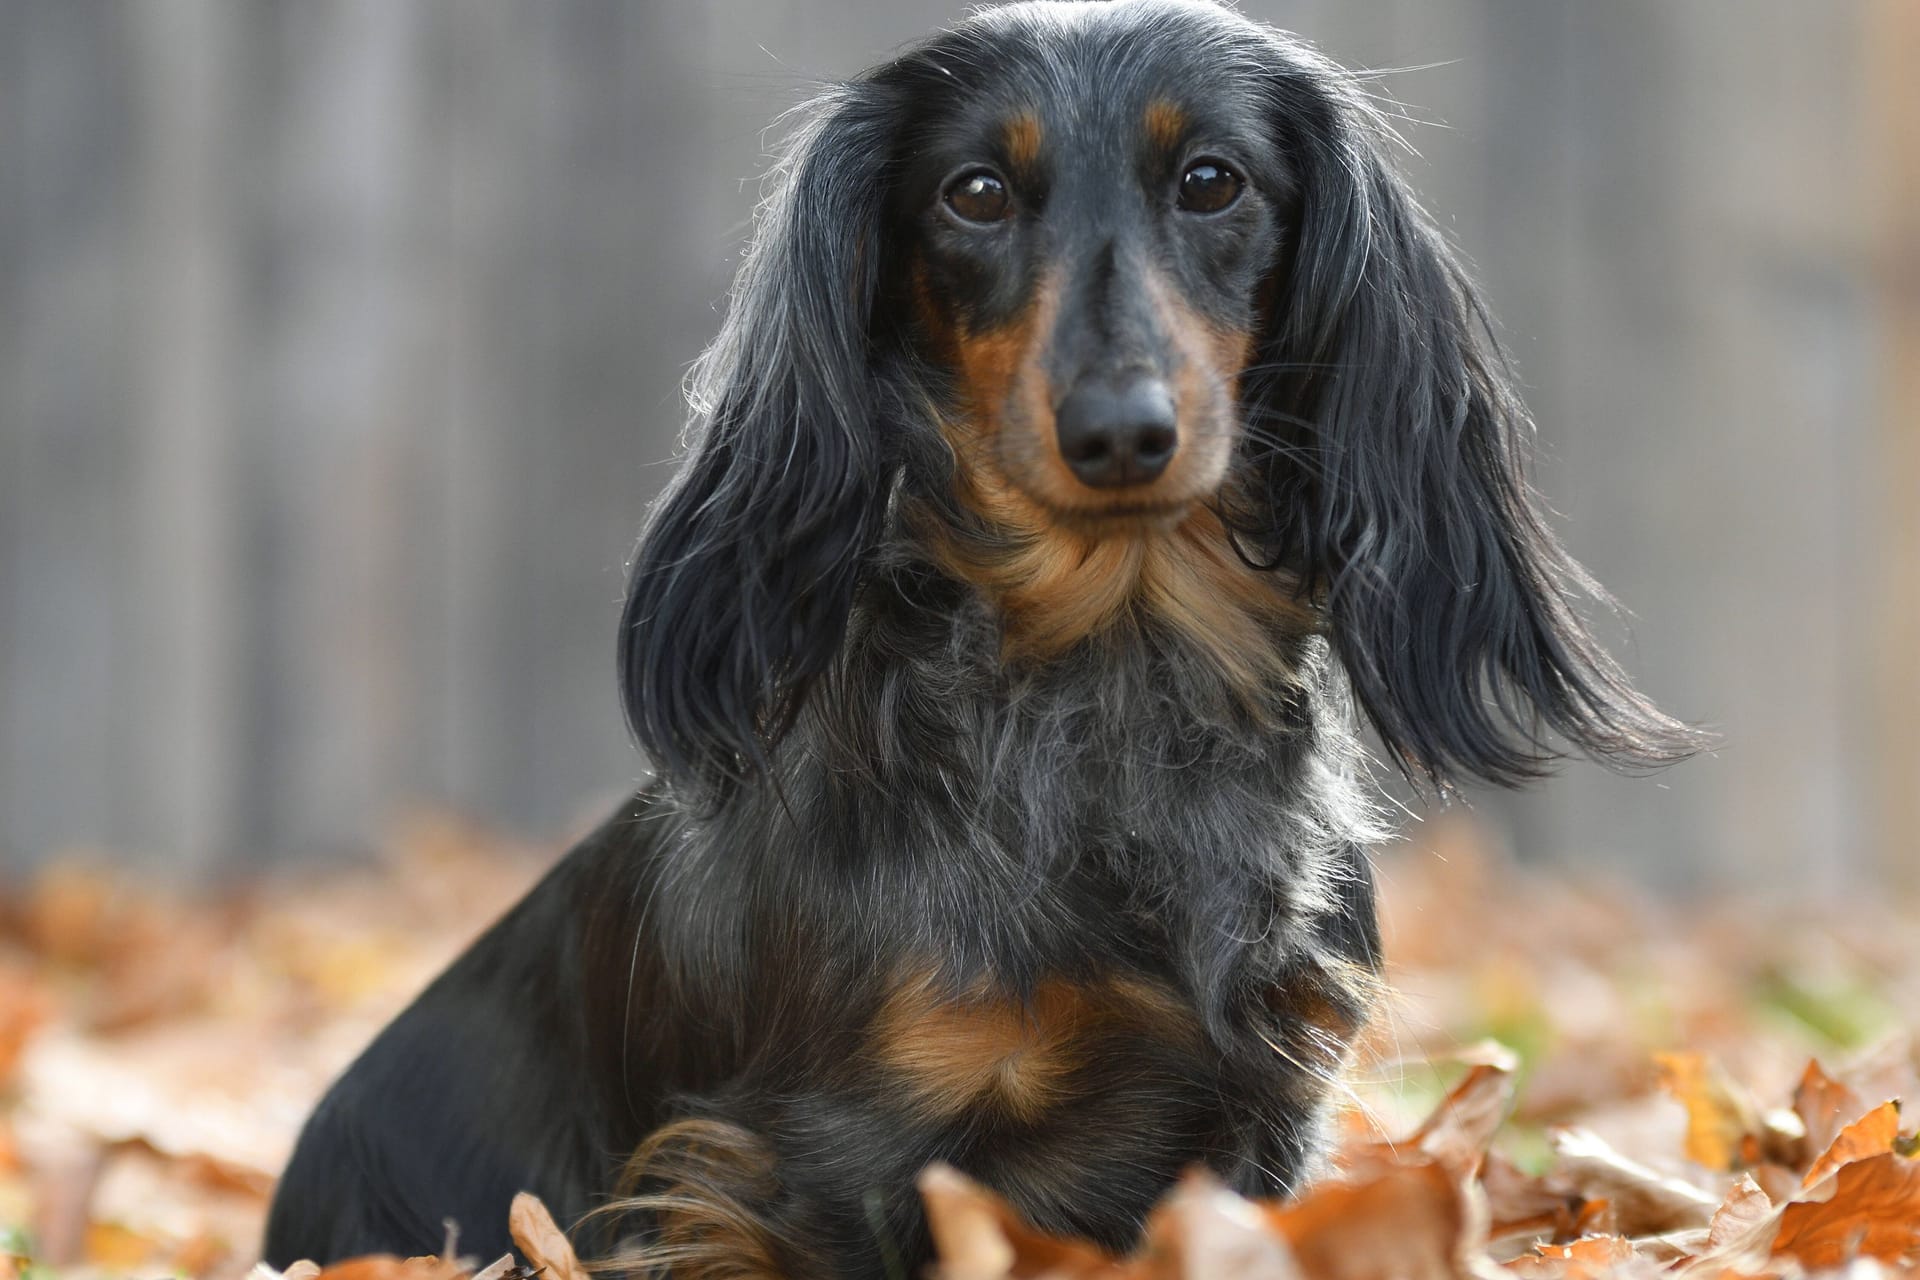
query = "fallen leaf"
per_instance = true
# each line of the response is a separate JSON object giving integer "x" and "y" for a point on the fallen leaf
{"x": 1722, "y": 1121}
{"x": 199, "y": 1254}
{"x": 1870, "y": 1207}
{"x": 1204, "y": 1230}
{"x": 1461, "y": 1128}
{"x": 504, "y": 1267}
{"x": 388, "y": 1267}
{"x": 979, "y": 1236}
{"x": 304, "y": 1269}
{"x": 23, "y": 1008}
{"x": 1870, "y": 1135}
{"x": 1593, "y": 1256}
{"x": 1410, "y": 1221}
{"x": 1745, "y": 1208}
{"x": 1645, "y": 1201}
{"x": 1520, "y": 1205}
{"x": 117, "y": 1248}
{"x": 1825, "y": 1106}
{"x": 541, "y": 1240}
{"x": 373, "y": 1266}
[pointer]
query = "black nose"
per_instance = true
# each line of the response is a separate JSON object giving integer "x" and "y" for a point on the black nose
{"x": 1116, "y": 434}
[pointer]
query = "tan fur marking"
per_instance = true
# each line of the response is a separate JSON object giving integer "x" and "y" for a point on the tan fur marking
{"x": 1165, "y": 124}
{"x": 1021, "y": 136}
{"x": 1195, "y": 581}
{"x": 1059, "y": 578}
{"x": 1322, "y": 1014}
{"x": 953, "y": 1052}
{"x": 999, "y": 367}
{"x": 700, "y": 1182}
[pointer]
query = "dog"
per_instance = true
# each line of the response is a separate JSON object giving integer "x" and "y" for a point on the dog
{"x": 1098, "y": 433}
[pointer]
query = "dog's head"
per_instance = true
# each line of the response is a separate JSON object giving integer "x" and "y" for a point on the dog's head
{"x": 1120, "y": 309}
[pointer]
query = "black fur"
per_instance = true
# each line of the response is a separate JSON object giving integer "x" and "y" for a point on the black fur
{"x": 1393, "y": 479}
{"x": 864, "y": 793}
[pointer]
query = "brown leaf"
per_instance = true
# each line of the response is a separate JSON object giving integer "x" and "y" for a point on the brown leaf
{"x": 1745, "y": 1208}
{"x": 1645, "y": 1202}
{"x": 1722, "y": 1121}
{"x": 388, "y": 1267}
{"x": 1870, "y": 1135}
{"x": 1205, "y": 1232}
{"x": 1581, "y": 1260}
{"x": 1825, "y": 1106}
{"x": 541, "y": 1240}
{"x": 979, "y": 1236}
{"x": 304, "y": 1269}
{"x": 1411, "y": 1221}
{"x": 374, "y": 1266}
{"x": 113, "y": 1247}
{"x": 1461, "y": 1128}
{"x": 504, "y": 1267}
{"x": 1521, "y": 1206}
{"x": 23, "y": 1008}
{"x": 201, "y": 1170}
{"x": 1871, "y": 1207}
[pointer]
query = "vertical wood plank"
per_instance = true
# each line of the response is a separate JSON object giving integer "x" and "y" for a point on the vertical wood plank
{"x": 1892, "y": 127}
{"x": 70, "y": 631}
{"x": 14, "y": 482}
{"x": 178, "y": 573}
{"x": 329, "y": 523}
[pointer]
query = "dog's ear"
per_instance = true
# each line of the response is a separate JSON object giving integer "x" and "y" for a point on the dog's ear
{"x": 1389, "y": 442}
{"x": 746, "y": 573}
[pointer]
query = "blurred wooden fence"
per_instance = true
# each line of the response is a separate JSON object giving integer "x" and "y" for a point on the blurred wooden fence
{"x": 340, "y": 342}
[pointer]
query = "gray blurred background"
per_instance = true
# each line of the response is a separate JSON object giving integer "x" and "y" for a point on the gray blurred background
{"x": 340, "y": 344}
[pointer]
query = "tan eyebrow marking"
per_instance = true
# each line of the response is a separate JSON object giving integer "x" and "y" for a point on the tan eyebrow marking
{"x": 1165, "y": 124}
{"x": 1021, "y": 134}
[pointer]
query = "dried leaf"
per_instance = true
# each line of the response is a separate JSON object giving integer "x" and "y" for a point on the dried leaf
{"x": 1870, "y": 1207}
{"x": 1580, "y": 1260}
{"x": 504, "y": 1267}
{"x": 978, "y": 1236}
{"x": 1204, "y": 1230}
{"x": 1461, "y": 1128}
{"x": 114, "y": 1247}
{"x": 541, "y": 1240}
{"x": 385, "y": 1266}
{"x": 1870, "y": 1135}
{"x": 304, "y": 1269}
{"x": 23, "y": 1008}
{"x": 1722, "y": 1121}
{"x": 1825, "y": 1106}
{"x": 1411, "y": 1222}
{"x": 1645, "y": 1201}
{"x": 1535, "y": 1208}
{"x": 1745, "y": 1208}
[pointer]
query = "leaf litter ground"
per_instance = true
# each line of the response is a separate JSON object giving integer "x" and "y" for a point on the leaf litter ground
{"x": 1571, "y": 1081}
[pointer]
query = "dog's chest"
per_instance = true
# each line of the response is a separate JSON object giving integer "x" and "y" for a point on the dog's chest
{"x": 1063, "y": 1099}
{"x": 991, "y": 1055}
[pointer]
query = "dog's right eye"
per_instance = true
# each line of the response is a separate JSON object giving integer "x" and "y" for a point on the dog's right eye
{"x": 979, "y": 195}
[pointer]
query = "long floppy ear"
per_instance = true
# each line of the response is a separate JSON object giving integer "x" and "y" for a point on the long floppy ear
{"x": 746, "y": 573}
{"x": 1391, "y": 443}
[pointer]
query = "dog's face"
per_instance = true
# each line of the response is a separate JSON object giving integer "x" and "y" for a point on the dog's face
{"x": 1119, "y": 313}
{"x": 1090, "y": 235}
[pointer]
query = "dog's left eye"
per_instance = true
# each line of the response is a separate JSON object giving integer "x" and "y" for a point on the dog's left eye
{"x": 1208, "y": 186}
{"x": 979, "y": 196}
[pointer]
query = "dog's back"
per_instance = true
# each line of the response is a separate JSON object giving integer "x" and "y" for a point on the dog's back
{"x": 474, "y": 1093}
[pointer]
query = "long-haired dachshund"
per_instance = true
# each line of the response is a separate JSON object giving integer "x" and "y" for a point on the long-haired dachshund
{"x": 1098, "y": 426}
